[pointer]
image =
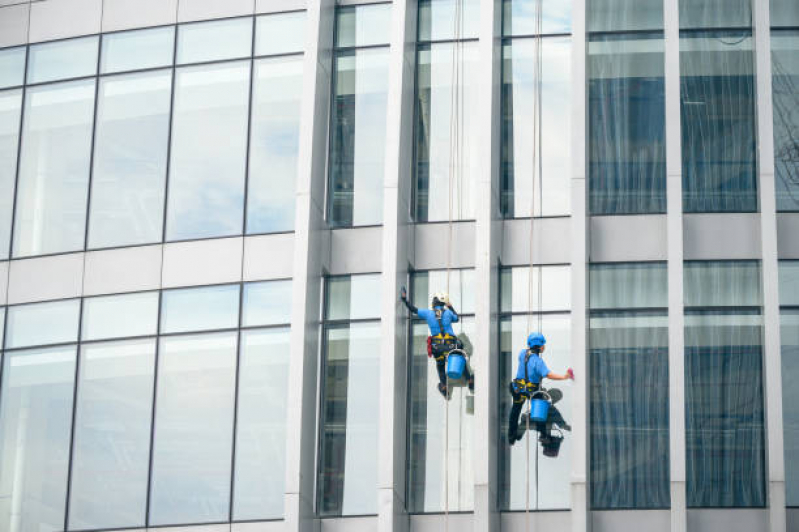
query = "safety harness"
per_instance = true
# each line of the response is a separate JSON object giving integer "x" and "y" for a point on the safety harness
{"x": 442, "y": 343}
{"x": 522, "y": 389}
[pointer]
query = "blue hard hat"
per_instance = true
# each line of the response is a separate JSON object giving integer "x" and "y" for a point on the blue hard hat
{"x": 536, "y": 339}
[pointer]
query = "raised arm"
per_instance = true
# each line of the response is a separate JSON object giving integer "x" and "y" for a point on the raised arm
{"x": 404, "y": 299}
{"x": 455, "y": 317}
{"x": 557, "y": 377}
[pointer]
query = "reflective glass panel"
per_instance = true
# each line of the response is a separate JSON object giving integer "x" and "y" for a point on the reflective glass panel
{"x": 784, "y": 13}
{"x": 35, "y": 425}
{"x": 193, "y": 429}
{"x": 260, "y": 474}
{"x": 281, "y": 33}
{"x": 43, "y": 323}
{"x": 73, "y": 58}
{"x": 2, "y": 326}
{"x": 790, "y": 402}
{"x": 437, "y": 153}
{"x": 789, "y": 283}
{"x": 627, "y": 125}
{"x": 12, "y": 67}
{"x": 353, "y": 297}
{"x": 358, "y": 138}
{"x": 200, "y": 309}
{"x": 111, "y": 455}
{"x": 10, "y": 109}
{"x": 519, "y": 17}
{"x": 274, "y": 144}
{"x": 624, "y": 15}
{"x": 722, "y": 284}
{"x": 640, "y": 285}
{"x": 520, "y": 195}
{"x": 437, "y": 19}
{"x": 364, "y": 25}
{"x": 267, "y": 303}
{"x": 209, "y": 146}
{"x": 214, "y": 40}
{"x": 134, "y": 50}
{"x": 54, "y": 168}
{"x": 715, "y": 14}
{"x": 515, "y": 295}
{"x": 785, "y": 91}
{"x": 461, "y": 288}
{"x": 348, "y": 449}
{"x": 130, "y": 155}
{"x": 120, "y": 316}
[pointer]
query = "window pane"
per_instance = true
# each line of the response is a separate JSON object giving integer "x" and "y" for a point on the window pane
{"x": 2, "y": 326}
{"x": 715, "y": 13}
{"x": 555, "y": 285}
{"x": 131, "y": 140}
{"x": 725, "y": 451}
{"x": 209, "y": 146}
{"x": 133, "y": 50}
{"x": 353, "y": 297}
{"x": 43, "y": 323}
{"x": 274, "y": 144}
{"x": 628, "y": 286}
{"x": 625, "y": 15}
{"x": 261, "y": 425}
{"x": 54, "y": 169}
{"x": 718, "y": 122}
{"x": 519, "y": 17}
{"x": 722, "y": 284}
{"x": 215, "y": 40}
{"x": 73, "y": 58}
{"x": 363, "y": 25}
{"x": 120, "y": 316}
{"x": 434, "y": 184}
{"x": 789, "y": 283}
{"x": 267, "y": 303}
{"x": 200, "y": 309}
{"x": 785, "y": 80}
{"x": 10, "y": 109}
{"x": 194, "y": 429}
{"x": 437, "y": 19}
{"x": 518, "y": 94}
{"x": 111, "y": 457}
{"x": 12, "y": 67}
{"x": 461, "y": 288}
{"x": 349, "y": 441}
{"x": 784, "y": 13}
{"x": 358, "y": 138}
{"x": 35, "y": 424}
{"x": 627, "y": 125}
{"x": 790, "y": 402}
{"x": 280, "y": 34}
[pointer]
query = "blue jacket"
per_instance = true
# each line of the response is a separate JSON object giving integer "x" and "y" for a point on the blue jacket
{"x": 448, "y": 317}
{"x": 536, "y": 367}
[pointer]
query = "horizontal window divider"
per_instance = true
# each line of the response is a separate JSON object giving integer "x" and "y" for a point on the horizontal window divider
{"x": 367, "y": 226}
{"x": 443, "y": 222}
{"x": 710, "y": 32}
{"x": 29, "y": 303}
{"x": 47, "y": 255}
{"x": 451, "y": 512}
{"x": 509, "y": 38}
{"x": 523, "y": 313}
{"x": 726, "y": 310}
{"x": 539, "y": 511}
{"x": 786, "y": 29}
{"x": 54, "y": 81}
{"x": 339, "y": 323}
{"x": 535, "y": 265}
{"x": 195, "y": 333}
{"x": 550, "y": 217}
{"x": 627, "y": 508}
{"x": 361, "y": 47}
{"x": 354, "y": 516}
{"x": 448, "y": 41}
{"x": 626, "y": 310}
{"x": 11, "y": 88}
{"x": 277, "y": 56}
{"x": 119, "y": 339}
{"x": 790, "y": 307}
{"x": 421, "y": 321}
{"x": 655, "y": 32}
{"x": 146, "y": 70}
{"x": 265, "y": 327}
{"x": 626, "y": 214}
{"x": 39, "y": 346}
{"x": 212, "y": 62}
{"x": 270, "y": 520}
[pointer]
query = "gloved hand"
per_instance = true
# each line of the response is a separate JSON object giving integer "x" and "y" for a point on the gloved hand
{"x": 570, "y": 373}
{"x": 403, "y": 294}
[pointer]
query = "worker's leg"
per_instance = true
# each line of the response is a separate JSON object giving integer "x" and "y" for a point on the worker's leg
{"x": 441, "y": 366}
{"x": 513, "y": 422}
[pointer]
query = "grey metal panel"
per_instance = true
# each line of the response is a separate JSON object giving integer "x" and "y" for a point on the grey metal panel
{"x": 431, "y": 245}
{"x": 628, "y": 238}
{"x": 64, "y": 18}
{"x": 189, "y": 10}
{"x": 792, "y": 517}
{"x": 128, "y": 14}
{"x": 194, "y": 528}
{"x": 788, "y": 235}
{"x": 202, "y": 262}
{"x": 44, "y": 278}
{"x": 358, "y": 2}
{"x": 349, "y": 524}
{"x": 355, "y": 250}
{"x": 552, "y": 241}
{"x": 276, "y": 6}
{"x": 515, "y": 521}
{"x": 721, "y": 236}
{"x": 437, "y": 522}
{"x": 615, "y": 521}
{"x": 728, "y": 520}
{"x": 122, "y": 270}
{"x": 264, "y": 526}
{"x": 3, "y": 282}
{"x": 13, "y": 25}
{"x": 268, "y": 257}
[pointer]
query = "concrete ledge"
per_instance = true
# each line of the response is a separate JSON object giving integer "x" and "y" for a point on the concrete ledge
{"x": 721, "y": 236}
{"x": 430, "y": 251}
{"x": 45, "y": 278}
{"x": 628, "y": 238}
{"x": 551, "y": 240}
{"x": 788, "y": 235}
{"x": 728, "y": 520}
{"x": 356, "y": 250}
{"x": 616, "y": 520}
{"x": 202, "y": 262}
{"x": 515, "y": 521}
{"x": 268, "y": 257}
{"x": 122, "y": 270}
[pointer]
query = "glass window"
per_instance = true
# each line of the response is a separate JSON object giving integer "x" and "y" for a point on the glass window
{"x": 130, "y": 153}
{"x": 722, "y": 284}
{"x": 459, "y": 285}
{"x": 43, "y": 323}
{"x": 555, "y": 289}
{"x": 209, "y": 146}
{"x": 624, "y": 15}
{"x": 353, "y": 297}
{"x": 785, "y": 79}
{"x": 10, "y": 109}
{"x": 120, "y": 316}
{"x": 193, "y": 429}
{"x": 35, "y": 425}
{"x": 627, "y": 124}
{"x": 200, "y": 309}
{"x": 73, "y": 58}
{"x": 134, "y": 50}
{"x": 364, "y": 25}
{"x": 2, "y": 327}
{"x": 436, "y": 151}
{"x": 54, "y": 168}
{"x": 519, "y": 17}
{"x": 641, "y": 285}
{"x": 437, "y": 19}
{"x": 784, "y": 13}
{"x": 790, "y": 401}
{"x": 358, "y": 135}
{"x": 12, "y": 67}
{"x": 260, "y": 474}
{"x": 715, "y": 13}
{"x": 519, "y": 194}
{"x": 111, "y": 455}
{"x": 267, "y": 303}
{"x": 789, "y": 283}
{"x": 274, "y": 144}
{"x": 214, "y": 40}
{"x": 283, "y": 33}
{"x": 348, "y": 449}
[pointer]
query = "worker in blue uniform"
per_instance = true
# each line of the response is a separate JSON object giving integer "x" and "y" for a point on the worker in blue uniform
{"x": 442, "y": 340}
{"x": 532, "y": 370}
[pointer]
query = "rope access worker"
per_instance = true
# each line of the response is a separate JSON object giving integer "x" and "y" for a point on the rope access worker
{"x": 442, "y": 339}
{"x": 532, "y": 370}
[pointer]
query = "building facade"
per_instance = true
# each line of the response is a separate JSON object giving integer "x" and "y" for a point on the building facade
{"x": 208, "y": 210}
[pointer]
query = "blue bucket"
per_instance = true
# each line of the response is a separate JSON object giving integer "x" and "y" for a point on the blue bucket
{"x": 539, "y": 407}
{"x": 456, "y": 363}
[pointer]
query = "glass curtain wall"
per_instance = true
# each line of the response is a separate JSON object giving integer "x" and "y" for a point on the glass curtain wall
{"x": 10, "y": 113}
{"x": 358, "y": 115}
{"x": 724, "y": 417}
{"x": 627, "y": 107}
{"x": 530, "y": 186}
{"x": 629, "y": 388}
{"x": 348, "y": 438}
{"x": 789, "y": 317}
{"x": 525, "y": 462}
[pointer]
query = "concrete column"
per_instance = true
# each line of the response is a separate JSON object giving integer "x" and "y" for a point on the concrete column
{"x": 309, "y": 233}
{"x": 772, "y": 380}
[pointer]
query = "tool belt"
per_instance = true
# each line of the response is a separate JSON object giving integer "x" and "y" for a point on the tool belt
{"x": 442, "y": 344}
{"x": 520, "y": 388}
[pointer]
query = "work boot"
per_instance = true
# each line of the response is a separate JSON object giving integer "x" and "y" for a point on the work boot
{"x": 443, "y": 390}
{"x": 471, "y": 385}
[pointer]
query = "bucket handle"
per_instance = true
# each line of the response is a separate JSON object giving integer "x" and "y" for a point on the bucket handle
{"x": 547, "y": 397}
